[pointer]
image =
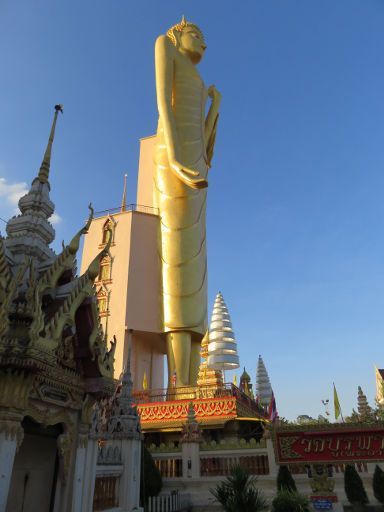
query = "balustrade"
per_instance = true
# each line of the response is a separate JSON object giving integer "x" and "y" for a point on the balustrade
{"x": 221, "y": 466}
{"x": 170, "y": 468}
{"x": 174, "y": 502}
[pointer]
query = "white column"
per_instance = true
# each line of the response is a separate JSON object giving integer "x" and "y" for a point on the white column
{"x": 191, "y": 460}
{"x": 88, "y": 478}
{"x": 11, "y": 433}
{"x": 129, "y": 488}
{"x": 273, "y": 467}
{"x": 79, "y": 474}
{"x": 7, "y": 457}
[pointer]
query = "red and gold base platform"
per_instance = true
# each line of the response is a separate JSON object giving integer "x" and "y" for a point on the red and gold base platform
{"x": 167, "y": 410}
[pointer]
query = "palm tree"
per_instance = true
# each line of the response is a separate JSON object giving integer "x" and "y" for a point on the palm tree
{"x": 239, "y": 493}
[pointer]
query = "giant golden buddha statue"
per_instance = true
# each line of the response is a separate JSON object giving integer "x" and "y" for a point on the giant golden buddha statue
{"x": 183, "y": 153}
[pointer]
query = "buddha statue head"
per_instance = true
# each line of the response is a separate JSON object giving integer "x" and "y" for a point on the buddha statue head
{"x": 188, "y": 39}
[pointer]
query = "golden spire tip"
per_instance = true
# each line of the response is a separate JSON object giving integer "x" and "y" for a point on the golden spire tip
{"x": 46, "y": 163}
{"x": 124, "y": 199}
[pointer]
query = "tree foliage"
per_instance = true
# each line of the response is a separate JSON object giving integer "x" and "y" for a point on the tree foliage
{"x": 239, "y": 493}
{"x": 354, "y": 488}
{"x": 285, "y": 480}
{"x": 150, "y": 481}
{"x": 378, "y": 484}
{"x": 290, "y": 501}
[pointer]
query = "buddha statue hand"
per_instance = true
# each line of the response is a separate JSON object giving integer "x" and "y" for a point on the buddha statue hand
{"x": 187, "y": 175}
{"x": 214, "y": 94}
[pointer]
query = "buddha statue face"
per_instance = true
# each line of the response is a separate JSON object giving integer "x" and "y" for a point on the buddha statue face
{"x": 192, "y": 43}
{"x": 188, "y": 39}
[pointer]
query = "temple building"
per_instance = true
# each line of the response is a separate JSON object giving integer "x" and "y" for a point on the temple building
{"x": 128, "y": 287}
{"x": 245, "y": 384}
{"x": 128, "y": 281}
{"x": 55, "y": 367}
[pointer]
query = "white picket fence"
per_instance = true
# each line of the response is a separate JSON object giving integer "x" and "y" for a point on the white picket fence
{"x": 169, "y": 503}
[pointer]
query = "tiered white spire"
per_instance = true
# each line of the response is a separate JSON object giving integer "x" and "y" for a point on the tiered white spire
{"x": 31, "y": 232}
{"x": 263, "y": 384}
{"x": 222, "y": 348}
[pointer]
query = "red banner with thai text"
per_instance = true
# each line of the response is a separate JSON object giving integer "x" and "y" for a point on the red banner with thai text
{"x": 327, "y": 446}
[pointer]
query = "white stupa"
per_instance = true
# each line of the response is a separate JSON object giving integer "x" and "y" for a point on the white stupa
{"x": 222, "y": 348}
{"x": 263, "y": 384}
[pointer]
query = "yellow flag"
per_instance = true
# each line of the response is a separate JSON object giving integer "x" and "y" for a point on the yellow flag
{"x": 336, "y": 402}
{"x": 235, "y": 380}
{"x": 145, "y": 383}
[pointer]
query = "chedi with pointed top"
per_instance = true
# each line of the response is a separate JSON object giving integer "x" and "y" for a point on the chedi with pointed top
{"x": 263, "y": 384}
{"x": 31, "y": 232}
{"x": 222, "y": 347}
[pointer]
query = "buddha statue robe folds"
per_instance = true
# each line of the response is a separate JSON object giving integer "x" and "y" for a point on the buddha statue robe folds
{"x": 184, "y": 147}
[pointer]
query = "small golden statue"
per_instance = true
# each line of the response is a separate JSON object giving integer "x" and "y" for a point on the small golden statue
{"x": 321, "y": 483}
{"x": 183, "y": 153}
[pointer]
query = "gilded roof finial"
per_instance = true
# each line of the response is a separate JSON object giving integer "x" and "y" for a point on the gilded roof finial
{"x": 94, "y": 266}
{"x": 46, "y": 163}
{"x": 124, "y": 199}
{"x": 75, "y": 242}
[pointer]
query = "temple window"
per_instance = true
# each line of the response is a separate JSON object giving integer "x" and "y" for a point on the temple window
{"x": 107, "y": 229}
{"x": 105, "y": 269}
{"x": 102, "y": 302}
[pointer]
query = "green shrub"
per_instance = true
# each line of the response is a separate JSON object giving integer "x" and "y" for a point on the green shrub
{"x": 354, "y": 488}
{"x": 238, "y": 493}
{"x": 285, "y": 479}
{"x": 290, "y": 501}
{"x": 378, "y": 484}
{"x": 150, "y": 481}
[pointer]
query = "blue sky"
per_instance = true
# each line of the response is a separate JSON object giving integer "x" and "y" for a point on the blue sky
{"x": 295, "y": 216}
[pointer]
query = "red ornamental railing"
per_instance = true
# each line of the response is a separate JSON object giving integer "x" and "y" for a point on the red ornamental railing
{"x": 189, "y": 393}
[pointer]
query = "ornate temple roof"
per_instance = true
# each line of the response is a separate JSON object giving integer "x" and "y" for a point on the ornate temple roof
{"x": 245, "y": 376}
{"x": 48, "y": 315}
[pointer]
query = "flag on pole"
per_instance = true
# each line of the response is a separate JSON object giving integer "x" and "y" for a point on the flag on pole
{"x": 235, "y": 380}
{"x": 174, "y": 379}
{"x": 272, "y": 410}
{"x": 336, "y": 404}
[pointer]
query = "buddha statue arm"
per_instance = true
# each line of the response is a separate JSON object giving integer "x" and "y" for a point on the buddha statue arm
{"x": 211, "y": 121}
{"x": 164, "y": 64}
